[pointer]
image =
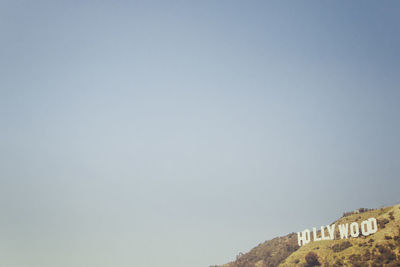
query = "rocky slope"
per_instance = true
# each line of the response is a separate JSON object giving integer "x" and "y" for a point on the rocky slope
{"x": 379, "y": 249}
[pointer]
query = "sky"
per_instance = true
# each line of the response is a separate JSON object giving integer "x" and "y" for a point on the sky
{"x": 180, "y": 133}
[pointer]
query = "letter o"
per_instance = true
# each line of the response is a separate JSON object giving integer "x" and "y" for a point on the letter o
{"x": 307, "y": 236}
{"x": 365, "y": 226}
{"x": 372, "y": 226}
{"x": 354, "y": 230}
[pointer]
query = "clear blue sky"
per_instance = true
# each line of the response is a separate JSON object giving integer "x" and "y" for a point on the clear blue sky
{"x": 180, "y": 133}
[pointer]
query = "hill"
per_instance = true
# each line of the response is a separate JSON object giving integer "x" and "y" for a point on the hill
{"x": 379, "y": 249}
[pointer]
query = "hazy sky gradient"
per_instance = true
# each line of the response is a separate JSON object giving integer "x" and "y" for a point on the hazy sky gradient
{"x": 180, "y": 133}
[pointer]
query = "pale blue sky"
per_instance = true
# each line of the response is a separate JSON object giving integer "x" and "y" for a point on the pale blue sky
{"x": 180, "y": 133}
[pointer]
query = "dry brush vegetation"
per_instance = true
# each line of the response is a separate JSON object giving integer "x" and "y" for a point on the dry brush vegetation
{"x": 380, "y": 249}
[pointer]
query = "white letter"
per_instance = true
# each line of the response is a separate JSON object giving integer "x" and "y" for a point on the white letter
{"x": 372, "y": 226}
{"x": 323, "y": 237}
{"x": 354, "y": 231}
{"x": 315, "y": 235}
{"x": 344, "y": 230}
{"x": 364, "y": 231}
{"x": 303, "y": 237}
{"x": 331, "y": 230}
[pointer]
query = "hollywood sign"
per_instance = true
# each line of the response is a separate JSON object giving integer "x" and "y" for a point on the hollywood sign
{"x": 366, "y": 228}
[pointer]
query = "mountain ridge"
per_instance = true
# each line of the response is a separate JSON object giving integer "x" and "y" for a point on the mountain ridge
{"x": 378, "y": 249}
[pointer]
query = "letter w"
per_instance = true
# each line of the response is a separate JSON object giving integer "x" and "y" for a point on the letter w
{"x": 344, "y": 230}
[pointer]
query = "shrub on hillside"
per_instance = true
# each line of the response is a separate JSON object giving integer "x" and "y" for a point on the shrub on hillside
{"x": 385, "y": 255}
{"x": 355, "y": 260}
{"x": 382, "y": 223}
{"x": 312, "y": 259}
{"x": 341, "y": 246}
{"x": 394, "y": 264}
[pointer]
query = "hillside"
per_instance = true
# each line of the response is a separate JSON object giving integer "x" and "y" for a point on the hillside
{"x": 379, "y": 249}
